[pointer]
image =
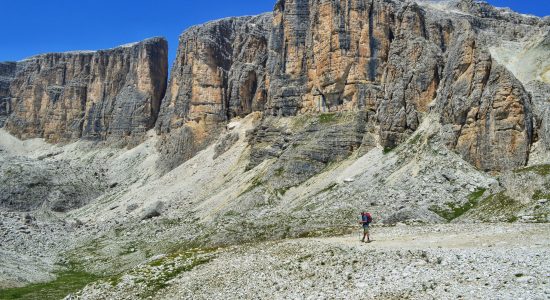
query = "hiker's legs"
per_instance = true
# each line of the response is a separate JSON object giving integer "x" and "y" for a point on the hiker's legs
{"x": 365, "y": 234}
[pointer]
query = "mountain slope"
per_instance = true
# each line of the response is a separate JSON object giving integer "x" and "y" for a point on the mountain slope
{"x": 277, "y": 126}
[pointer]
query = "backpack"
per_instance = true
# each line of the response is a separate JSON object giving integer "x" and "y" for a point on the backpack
{"x": 368, "y": 218}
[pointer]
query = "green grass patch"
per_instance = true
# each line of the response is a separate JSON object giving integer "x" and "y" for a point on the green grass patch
{"x": 327, "y": 118}
{"x": 542, "y": 170}
{"x": 170, "y": 222}
{"x": 453, "y": 211}
{"x": 512, "y": 219}
{"x": 499, "y": 206}
{"x": 539, "y": 195}
{"x": 301, "y": 121}
{"x": 66, "y": 282}
{"x": 387, "y": 150}
{"x": 170, "y": 269}
{"x": 279, "y": 171}
{"x": 282, "y": 191}
{"x": 476, "y": 195}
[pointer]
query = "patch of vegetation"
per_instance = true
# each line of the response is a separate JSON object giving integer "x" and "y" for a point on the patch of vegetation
{"x": 541, "y": 217}
{"x": 454, "y": 211}
{"x": 476, "y": 195}
{"x": 66, "y": 282}
{"x": 415, "y": 139}
{"x": 329, "y": 188}
{"x": 256, "y": 182}
{"x": 300, "y": 121}
{"x": 281, "y": 191}
{"x": 279, "y": 171}
{"x": 539, "y": 195}
{"x": 327, "y": 118}
{"x": 512, "y": 219}
{"x": 499, "y": 205}
{"x": 232, "y": 213}
{"x": 170, "y": 222}
{"x": 170, "y": 269}
{"x": 387, "y": 150}
{"x": 129, "y": 249}
{"x": 542, "y": 170}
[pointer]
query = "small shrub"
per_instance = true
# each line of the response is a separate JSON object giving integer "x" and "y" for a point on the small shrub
{"x": 279, "y": 171}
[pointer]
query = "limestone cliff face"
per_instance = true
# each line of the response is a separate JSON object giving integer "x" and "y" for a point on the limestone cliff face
{"x": 486, "y": 107}
{"x": 219, "y": 73}
{"x": 394, "y": 60}
{"x": 388, "y": 62}
{"x": 399, "y": 60}
{"x": 110, "y": 94}
{"x": 7, "y": 73}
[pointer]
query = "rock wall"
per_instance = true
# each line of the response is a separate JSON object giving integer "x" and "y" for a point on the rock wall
{"x": 400, "y": 60}
{"x": 395, "y": 61}
{"x": 487, "y": 109}
{"x": 219, "y": 73}
{"x": 7, "y": 74}
{"x": 110, "y": 94}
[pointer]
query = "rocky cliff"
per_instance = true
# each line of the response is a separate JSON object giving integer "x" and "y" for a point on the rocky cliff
{"x": 399, "y": 60}
{"x": 7, "y": 73}
{"x": 110, "y": 94}
{"x": 394, "y": 61}
{"x": 219, "y": 73}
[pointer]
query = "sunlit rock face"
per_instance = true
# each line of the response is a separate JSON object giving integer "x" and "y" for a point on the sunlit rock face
{"x": 219, "y": 73}
{"x": 400, "y": 60}
{"x": 7, "y": 74}
{"x": 110, "y": 94}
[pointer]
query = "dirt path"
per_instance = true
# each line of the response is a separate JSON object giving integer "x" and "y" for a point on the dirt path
{"x": 462, "y": 236}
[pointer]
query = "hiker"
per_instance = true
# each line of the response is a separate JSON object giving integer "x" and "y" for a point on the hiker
{"x": 366, "y": 219}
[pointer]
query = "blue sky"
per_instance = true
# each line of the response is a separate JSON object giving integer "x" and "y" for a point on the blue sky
{"x": 29, "y": 27}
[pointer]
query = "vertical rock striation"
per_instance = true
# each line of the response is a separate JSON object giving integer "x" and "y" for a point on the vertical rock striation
{"x": 219, "y": 73}
{"x": 110, "y": 94}
{"x": 486, "y": 109}
{"x": 7, "y": 74}
{"x": 399, "y": 60}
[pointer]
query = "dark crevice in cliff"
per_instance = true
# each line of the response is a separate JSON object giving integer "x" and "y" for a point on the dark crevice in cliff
{"x": 157, "y": 103}
{"x": 372, "y": 45}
